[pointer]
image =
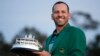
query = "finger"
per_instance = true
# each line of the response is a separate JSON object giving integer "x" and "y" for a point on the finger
{"x": 37, "y": 52}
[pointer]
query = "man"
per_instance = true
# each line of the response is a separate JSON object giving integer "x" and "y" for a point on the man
{"x": 65, "y": 40}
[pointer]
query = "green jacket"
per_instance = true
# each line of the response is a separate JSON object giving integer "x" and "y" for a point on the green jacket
{"x": 70, "y": 42}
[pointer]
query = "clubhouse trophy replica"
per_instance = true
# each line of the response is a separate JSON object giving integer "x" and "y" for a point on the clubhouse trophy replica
{"x": 26, "y": 44}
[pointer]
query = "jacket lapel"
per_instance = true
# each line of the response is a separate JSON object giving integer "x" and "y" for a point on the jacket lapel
{"x": 60, "y": 37}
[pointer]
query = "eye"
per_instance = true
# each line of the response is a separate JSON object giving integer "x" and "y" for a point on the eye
{"x": 63, "y": 11}
{"x": 56, "y": 12}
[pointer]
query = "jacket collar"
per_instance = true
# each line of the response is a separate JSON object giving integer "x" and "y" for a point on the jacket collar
{"x": 64, "y": 29}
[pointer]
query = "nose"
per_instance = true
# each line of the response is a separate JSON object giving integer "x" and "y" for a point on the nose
{"x": 60, "y": 14}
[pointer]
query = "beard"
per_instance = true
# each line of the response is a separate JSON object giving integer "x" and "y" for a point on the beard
{"x": 60, "y": 21}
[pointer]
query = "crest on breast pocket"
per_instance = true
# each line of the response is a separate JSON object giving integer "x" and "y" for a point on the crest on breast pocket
{"x": 62, "y": 50}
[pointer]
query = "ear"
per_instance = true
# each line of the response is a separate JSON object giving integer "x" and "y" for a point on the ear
{"x": 52, "y": 16}
{"x": 69, "y": 15}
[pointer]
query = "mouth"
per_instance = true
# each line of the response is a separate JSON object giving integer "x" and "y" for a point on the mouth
{"x": 61, "y": 18}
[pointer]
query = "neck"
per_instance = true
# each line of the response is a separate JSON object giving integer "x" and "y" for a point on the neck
{"x": 59, "y": 28}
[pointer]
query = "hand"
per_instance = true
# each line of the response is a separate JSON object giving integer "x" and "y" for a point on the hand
{"x": 43, "y": 53}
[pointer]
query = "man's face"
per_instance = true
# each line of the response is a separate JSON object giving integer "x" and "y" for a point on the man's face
{"x": 60, "y": 14}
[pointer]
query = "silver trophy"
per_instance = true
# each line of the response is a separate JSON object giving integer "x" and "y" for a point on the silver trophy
{"x": 26, "y": 44}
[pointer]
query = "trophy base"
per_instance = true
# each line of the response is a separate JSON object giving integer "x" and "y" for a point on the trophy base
{"x": 24, "y": 51}
{"x": 21, "y": 50}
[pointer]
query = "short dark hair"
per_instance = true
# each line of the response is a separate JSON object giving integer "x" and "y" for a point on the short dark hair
{"x": 60, "y": 2}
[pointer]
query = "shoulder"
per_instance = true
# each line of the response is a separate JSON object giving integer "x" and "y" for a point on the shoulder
{"x": 77, "y": 34}
{"x": 76, "y": 30}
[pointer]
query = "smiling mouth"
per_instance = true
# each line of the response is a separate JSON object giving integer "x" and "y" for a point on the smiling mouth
{"x": 61, "y": 18}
